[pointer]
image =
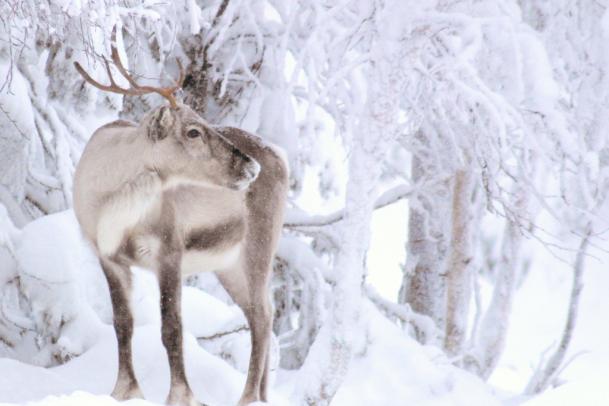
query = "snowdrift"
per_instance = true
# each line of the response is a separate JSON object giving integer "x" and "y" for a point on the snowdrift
{"x": 67, "y": 354}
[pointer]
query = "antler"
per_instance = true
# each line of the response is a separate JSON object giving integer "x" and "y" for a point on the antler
{"x": 135, "y": 89}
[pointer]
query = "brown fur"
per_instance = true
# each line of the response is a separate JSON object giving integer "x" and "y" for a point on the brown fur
{"x": 223, "y": 234}
{"x": 151, "y": 196}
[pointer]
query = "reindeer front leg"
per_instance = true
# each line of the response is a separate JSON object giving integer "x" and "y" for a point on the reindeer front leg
{"x": 170, "y": 283}
{"x": 119, "y": 283}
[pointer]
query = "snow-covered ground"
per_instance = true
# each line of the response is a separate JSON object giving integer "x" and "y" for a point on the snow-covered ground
{"x": 537, "y": 322}
{"x": 389, "y": 368}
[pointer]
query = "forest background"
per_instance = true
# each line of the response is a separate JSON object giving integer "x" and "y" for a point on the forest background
{"x": 449, "y": 176}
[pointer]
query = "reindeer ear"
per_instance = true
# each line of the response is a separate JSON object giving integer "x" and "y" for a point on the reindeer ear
{"x": 160, "y": 123}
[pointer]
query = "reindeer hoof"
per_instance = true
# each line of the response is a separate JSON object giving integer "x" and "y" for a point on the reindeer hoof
{"x": 184, "y": 402}
{"x": 189, "y": 402}
{"x": 125, "y": 392}
{"x": 246, "y": 400}
{"x": 182, "y": 397}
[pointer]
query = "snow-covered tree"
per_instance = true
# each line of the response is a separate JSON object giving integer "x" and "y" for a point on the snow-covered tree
{"x": 483, "y": 115}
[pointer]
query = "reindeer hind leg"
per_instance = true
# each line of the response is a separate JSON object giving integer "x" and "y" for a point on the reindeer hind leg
{"x": 260, "y": 320}
{"x": 255, "y": 304}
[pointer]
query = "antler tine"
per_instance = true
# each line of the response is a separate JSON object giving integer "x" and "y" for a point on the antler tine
{"x": 108, "y": 88}
{"x": 182, "y": 76}
{"x": 166, "y": 92}
{"x": 119, "y": 64}
{"x": 109, "y": 72}
{"x": 113, "y": 87}
{"x": 135, "y": 89}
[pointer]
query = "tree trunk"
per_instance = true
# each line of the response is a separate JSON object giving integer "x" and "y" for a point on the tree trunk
{"x": 373, "y": 128}
{"x": 490, "y": 337}
{"x": 332, "y": 350}
{"x": 458, "y": 277}
{"x": 423, "y": 285}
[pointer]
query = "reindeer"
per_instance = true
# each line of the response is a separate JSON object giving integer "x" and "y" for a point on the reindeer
{"x": 176, "y": 195}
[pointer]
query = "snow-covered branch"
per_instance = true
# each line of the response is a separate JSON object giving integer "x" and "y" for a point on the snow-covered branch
{"x": 296, "y": 218}
{"x": 546, "y": 374}
{"x": 403, "y": 313}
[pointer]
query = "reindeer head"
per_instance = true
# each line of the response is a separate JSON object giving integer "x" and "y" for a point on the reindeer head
{"x": 184, "y": 148}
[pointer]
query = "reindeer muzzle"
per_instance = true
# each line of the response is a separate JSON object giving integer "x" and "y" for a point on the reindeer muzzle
{"x": 250, "y": 172}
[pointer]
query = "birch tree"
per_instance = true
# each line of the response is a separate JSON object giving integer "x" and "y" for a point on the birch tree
{"x": 488, "y": 112}
{"x": 371, "y": 125}
{"x": 575, "y": 39}
{"x": 467, "y": 109}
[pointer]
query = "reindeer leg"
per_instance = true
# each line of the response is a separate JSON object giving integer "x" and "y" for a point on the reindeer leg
{"x": 119, "y": 282}
{"x": 257, "y": 309}
{"x": 259, "y": 319}
{"x": 170, "y": 283}
{"x": 264, "y": 383}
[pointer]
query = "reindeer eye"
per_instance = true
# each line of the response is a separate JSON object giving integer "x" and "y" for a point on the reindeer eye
{"x": 193, "y": 133}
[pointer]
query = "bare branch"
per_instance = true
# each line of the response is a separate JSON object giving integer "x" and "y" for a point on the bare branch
{"x": 220, "y": 12}
{"x": 225, "y": 333}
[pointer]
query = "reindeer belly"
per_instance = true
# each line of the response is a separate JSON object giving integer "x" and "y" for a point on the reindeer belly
{"x": 217, "y": 254}
{"x": 194, "y": 261}
{"x": 213, "y": 247}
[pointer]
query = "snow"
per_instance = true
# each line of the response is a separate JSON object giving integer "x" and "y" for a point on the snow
{"x": 394, "y": 368}
{"x": 516, "y": 90}
{"x": 538, "y": 318}
{"x": 536, "y": 322}
{"x": 591, "y": 391}
{"x": 386, "y": 255}
{"x": 387, "y": 365}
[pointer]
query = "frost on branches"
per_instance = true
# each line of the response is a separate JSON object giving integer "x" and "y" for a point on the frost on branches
{"x": 484, "y": 116}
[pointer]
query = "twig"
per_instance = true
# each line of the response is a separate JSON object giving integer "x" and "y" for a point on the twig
{"x": 225, "y": 333}
{"x": 14, "y": 123}
{"x": 220, "y": 12}
{"x": 7, "y": 342}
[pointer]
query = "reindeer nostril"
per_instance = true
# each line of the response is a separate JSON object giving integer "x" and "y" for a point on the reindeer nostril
{"x": 238, "y": 153}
